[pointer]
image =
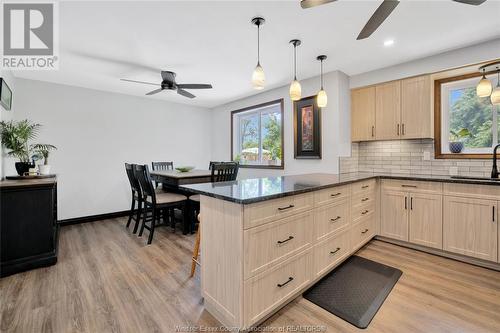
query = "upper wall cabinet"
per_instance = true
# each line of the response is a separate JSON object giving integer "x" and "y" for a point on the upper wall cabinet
{"x": 394, "y": 110}
{"x": 363, "y": 114}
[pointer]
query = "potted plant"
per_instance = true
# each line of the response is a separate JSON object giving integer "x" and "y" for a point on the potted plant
{"x": 456, "y": 140}
{"x": 43, "y": 151}
{"x": 15, "y": 136}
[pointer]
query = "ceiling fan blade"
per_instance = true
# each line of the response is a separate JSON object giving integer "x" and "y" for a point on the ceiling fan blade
{"x": 382, "y": 12}
{"x": 154, "y": 91}
{"x": 194, "y": 86}
{"x": 154, "y": 84}
{"x": 168, "y": 76}
{"x": 185, "y": 93}
{"x": 313, "y": 3}
{"x": 471, "y": 2}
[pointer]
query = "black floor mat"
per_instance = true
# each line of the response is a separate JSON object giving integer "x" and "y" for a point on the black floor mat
{"x": 355, "y": 290}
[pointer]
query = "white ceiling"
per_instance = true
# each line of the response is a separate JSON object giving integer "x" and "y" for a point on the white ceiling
{"x": 214, "y": 42}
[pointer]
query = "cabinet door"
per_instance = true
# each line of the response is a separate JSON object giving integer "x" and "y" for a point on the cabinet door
{"x": 388, "y": 110}
{"x": 416, "y": 111}
{"x": 470, "y": 227}
{"x": 425, "y": 221}
{"x": 363, "y": 114}
{"x": 394, "y": 215}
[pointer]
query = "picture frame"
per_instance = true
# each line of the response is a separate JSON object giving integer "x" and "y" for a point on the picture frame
{"x": 307, "y": 128}
{"x": 5, "y": 95}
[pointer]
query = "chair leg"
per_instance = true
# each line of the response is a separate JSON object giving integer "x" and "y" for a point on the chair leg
{"x": 131, "y": 211}
{"x": 144, "y": 216}
{"x": 171, "y": 215}
{"x": 138, "y": 216}
{"x": 185, "y": 220}
{"x": 153, "y": 223}
{"x": 196, "y": 251}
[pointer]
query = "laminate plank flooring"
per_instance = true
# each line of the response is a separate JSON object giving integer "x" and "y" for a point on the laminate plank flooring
{"x": 109, "y": 280}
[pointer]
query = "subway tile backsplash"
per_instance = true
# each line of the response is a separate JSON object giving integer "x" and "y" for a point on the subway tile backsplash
{"x": 408, "y": 157}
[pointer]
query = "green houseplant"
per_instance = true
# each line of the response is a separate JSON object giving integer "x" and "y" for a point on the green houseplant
{"x": 456, "y": 140}
{"x": 43, "y": 151}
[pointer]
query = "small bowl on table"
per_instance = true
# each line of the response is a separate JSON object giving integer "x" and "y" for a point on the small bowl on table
{"x": 184, "y": 168}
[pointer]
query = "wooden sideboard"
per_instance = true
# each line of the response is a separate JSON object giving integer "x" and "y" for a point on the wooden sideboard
{"x": 29, "y": 230}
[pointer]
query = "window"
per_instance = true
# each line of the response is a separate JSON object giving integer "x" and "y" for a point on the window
{"x": 458, "y": 107}
{"x": 257, "y": 136}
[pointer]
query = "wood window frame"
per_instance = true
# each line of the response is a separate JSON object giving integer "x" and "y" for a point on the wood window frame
{"x": 279, "y": 101}
{"x": 438, "y": 154}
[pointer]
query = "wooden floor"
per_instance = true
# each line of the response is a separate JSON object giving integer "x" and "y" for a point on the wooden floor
{"x": 108, "y": 280}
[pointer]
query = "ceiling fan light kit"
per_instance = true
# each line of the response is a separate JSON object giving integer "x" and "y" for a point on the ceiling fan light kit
{"x": 484, "y": 87}
{"x": 295, "y": 88}
{"x": 258, "y": 76}
{"x": 321, "y": 98}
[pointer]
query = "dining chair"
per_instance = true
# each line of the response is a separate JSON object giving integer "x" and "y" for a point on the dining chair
{"x": 159, "y": 166}
{"x": 156, "y": 202}
{"x": 136, "y": 197}
{"x": 221, "y": 172}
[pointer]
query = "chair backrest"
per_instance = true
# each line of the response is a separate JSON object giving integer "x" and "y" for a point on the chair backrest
{"x": 224, "y": 171}
{"x": 211, "y": 163}
{"x": 142, "y": 174}
{"x": 134, "y": 183}
{"x": 162, "y": 166}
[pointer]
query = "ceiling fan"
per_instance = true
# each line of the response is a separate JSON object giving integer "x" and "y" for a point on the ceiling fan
{"x": 168, "y": 83}
{"x": 382, "y": 12}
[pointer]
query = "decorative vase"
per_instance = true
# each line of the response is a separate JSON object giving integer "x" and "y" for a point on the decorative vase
{"x": 456, "y": 147}
{"x": 23, "y": 167}
{"x": 44, "y": 169}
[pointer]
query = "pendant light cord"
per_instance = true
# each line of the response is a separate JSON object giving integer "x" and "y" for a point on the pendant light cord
{"x": 295, "y": 62}
{"x": 258, "y": 44}
{"x": 321, "y": 74}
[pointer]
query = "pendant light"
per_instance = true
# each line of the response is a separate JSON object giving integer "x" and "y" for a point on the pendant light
{"x": 321, "y": 99}
{"x": 258, "y": 77}
{"x": 295, "y": 88}
{"x": 484, "y": 87}
{"x": 495, "y": 95}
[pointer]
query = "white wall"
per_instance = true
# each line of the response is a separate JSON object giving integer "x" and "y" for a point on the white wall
{"x": 7, "y": 115}
{"x": 452, "y": 59}
{"x": 335, "y": 120}
{"x": 97, "y": 132}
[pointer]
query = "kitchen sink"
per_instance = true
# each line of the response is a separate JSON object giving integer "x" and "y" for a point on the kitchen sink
{"x": 476, "y": 178}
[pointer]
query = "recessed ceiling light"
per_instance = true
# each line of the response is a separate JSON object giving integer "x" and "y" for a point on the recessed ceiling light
{"x": 389, "y": 42}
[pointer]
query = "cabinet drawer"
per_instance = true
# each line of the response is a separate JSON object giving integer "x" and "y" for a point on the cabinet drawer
{"x": 476, "y": 191}
{"x": 362, "y": 232}
{"x": 269, "y": 244}
{"x": 330, "y": 252}
{"x": 363, "y": 198}
{"x": 363, "y": 186}
{"x": 267, "y": 211}
{"x": 331, "y": 219}
{"x": 412, "y": 186}
{"x": 269, "y": 290}
{"x": 330, "y": 195}
{"x": 362, "y": 211}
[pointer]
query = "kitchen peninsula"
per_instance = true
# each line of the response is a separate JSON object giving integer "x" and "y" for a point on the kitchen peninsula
{"x": 265, "y": 240}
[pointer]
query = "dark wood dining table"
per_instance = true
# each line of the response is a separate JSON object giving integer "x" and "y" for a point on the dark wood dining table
{"x": 172, "y": 179}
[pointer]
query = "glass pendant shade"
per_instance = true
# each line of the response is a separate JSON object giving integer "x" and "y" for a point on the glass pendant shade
{"x": 258, "y": 78}
{"x": 495, "y": 96}
{"x": 322, "y": 99}
{"x": 484, "y": 87}
{"x": 295, "y": 90}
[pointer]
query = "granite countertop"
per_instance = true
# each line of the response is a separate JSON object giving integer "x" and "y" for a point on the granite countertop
{"x": 246, "y": 191}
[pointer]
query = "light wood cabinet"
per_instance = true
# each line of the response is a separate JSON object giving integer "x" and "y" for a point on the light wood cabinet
{"x": 388, "y": 110}
{"x": 425, "y": 220}
{"x": 470, "y": 227}
{"x": 394, "y": 215}
{"x": 363, "y": 114}
{"x": 416, "y": 110}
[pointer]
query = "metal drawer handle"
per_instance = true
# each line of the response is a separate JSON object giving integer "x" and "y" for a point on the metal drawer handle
{"x": 335, "y": 219}
{"x": 365, "y": 186}
{"x": 290, "y": 279}
{"x": 336, "y": 250}
{"x": 365, "y": 231}
{"x": 284, "y": 208}
{"x": 335, "y": 194}
{"x": 286, "y": 240}
{"x": 364, "y": 212}
{"x": 365, "y": 199}
{"x": 404, "y": 185}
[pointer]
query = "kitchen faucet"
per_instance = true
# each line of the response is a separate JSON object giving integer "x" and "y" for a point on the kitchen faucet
{"x": 494, "y": 171}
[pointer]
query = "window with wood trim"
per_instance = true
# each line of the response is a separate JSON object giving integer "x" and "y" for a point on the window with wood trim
{"x": 457, "y": 107}
{"x": 257, "y": 135}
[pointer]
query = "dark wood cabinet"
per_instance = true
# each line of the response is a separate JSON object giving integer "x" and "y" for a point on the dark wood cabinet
{"x": 28, "y": 224}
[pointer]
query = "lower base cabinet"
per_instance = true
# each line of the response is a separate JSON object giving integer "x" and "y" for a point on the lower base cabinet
{"x": 470, "y": 227}
{"x": 330, "y": 252}
{"x": 425, "y": 225}
{"x": 394, "y": 215}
